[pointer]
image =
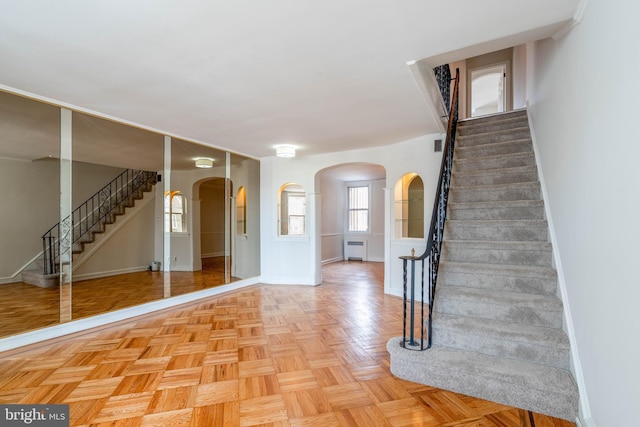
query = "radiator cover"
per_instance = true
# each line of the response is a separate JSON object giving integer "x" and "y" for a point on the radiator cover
{"x": 355, "y": 249}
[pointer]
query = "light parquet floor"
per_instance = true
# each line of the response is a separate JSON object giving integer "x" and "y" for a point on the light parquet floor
{"x": 26, "y": 307}
{"x": 266, "y": 355}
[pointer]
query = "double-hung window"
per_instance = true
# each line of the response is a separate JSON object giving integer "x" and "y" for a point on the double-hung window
{"x": 358, "y": 209}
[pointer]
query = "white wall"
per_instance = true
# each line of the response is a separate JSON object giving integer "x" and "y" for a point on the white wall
{"x": 296, "y": 260}
{"x": 332, "y": 219}
{"x": 583, "y": 104}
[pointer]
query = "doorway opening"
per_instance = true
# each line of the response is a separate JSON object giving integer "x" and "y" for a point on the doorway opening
{"x": 488, "y": 90}
{"x": 215, "y": 249}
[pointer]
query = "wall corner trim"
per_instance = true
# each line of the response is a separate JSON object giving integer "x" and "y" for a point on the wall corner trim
{"x": 573, "y": 22}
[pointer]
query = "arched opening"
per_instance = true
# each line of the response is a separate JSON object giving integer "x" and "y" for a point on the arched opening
{"x": 350, "y": 217}
{"x": 292, "y": 210}
{"x": 409, "y": 207}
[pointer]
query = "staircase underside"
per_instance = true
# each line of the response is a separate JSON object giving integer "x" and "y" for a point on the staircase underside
{"x": 497, "y": 320}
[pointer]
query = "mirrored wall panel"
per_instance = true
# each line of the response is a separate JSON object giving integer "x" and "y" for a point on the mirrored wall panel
{"x": 102, "y": 216}
{"x": 30, "y": 177}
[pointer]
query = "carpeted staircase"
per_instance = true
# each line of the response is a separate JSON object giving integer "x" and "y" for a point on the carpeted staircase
{"x": 498, "y": 321}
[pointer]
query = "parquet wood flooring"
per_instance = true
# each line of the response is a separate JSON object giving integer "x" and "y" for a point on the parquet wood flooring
{"x": 26, "y": 307}
{"x": 265, "y": 355}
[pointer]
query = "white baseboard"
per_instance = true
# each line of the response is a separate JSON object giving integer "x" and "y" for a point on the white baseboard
{"x": 587, "y": 422}
{"x": 212, "y": 255}
{"x": 101, "y": 274}
{"x": 328, "y": 261}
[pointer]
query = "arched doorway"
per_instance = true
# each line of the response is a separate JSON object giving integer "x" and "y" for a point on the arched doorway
{"x": 351, "y": 215}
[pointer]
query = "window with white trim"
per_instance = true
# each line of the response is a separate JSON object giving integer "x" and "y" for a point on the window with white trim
{"x": 292, "y": 210}
{"x": 358, "y": 209}
{"x": 175, "y": 212}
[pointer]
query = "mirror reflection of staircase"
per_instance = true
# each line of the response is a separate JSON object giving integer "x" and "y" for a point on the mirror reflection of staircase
{"x": 89, "y": 225}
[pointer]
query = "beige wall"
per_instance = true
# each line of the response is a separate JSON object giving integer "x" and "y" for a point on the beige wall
{"x": 31, "y": 205}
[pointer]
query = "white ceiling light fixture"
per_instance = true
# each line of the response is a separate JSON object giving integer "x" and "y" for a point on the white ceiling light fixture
{"x": 204, "y": 163}
{"x": 287, "y": 151}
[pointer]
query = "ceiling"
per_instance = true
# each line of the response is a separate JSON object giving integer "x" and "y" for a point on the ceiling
{"x": 246, "y": 76}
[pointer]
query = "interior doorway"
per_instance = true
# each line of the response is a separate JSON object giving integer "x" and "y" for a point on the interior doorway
{"x": 215, "y": 226}
{"x": 488, "y": 90}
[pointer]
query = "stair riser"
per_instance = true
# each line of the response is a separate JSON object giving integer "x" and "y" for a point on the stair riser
{"x": 512, "y": 115}
{"x": 497, "y": 213}
{"x": 509, "y": 233}
{"x": 533, "y": 285}
{"x": 504, "y": 313}
{"x": 468, "y": 195}
{"x": 473, "y": 140}
{"x": 465, "y": 130}
{"x": 480, "y": 164}
{"x": 460, "y": 253}
{"x": 497, "y": 346}
{"x": 460, "y": 179}
{"x": 511, "y": 147}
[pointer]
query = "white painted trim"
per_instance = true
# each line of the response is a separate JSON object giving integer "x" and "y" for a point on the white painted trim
{"x": 585, "y": 410}
{"x": 212, "y": 255}
{"x": 428, "y": 87}
{"x": 73, "y": 326}
{"x": 14, "y": 278}
{"x": 328, "y": 261}
{"x": 587, "y": 422}
{"x": 573, "y": 22}
{"x": 101, "y": 274}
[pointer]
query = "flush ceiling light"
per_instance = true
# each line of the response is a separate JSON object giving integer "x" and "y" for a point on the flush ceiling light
{"x": 204, "y": 163}
{"x": 285, "y": 151}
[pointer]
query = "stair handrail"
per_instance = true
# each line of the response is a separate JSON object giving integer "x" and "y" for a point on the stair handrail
{"x": 90, "y": 213}
{"x": 434, "y": 241}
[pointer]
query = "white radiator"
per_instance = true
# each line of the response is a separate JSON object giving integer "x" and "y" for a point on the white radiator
{"x": 355, "y": 249}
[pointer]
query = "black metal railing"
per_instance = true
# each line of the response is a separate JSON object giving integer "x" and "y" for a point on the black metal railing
{"x": 57, "y": 242}
{"x": 434, "y": 244}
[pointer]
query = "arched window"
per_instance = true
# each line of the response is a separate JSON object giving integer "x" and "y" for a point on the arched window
{"x": 409, "y": 202}
{"x": 241, "y": 211}
{"x": 175, "y": 212}
{"x": 292, "y": 210}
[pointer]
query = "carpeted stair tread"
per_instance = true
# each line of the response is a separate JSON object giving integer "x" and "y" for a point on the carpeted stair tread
{"x": 502, "y": 209}
{"x": 516, "y": 278}
{"x": 513, "y": 229}
{"x": 504, "y": 330}
{"x": 530, "y": 386}
{"x": 521, "y": 145}
{"x": 498, "y": 252}
{"x": 516, "y": 307}
{"x": 494, "y": 136}
{"x": 511, "y": 170}
{"x": 495, "y": 192}
{"x": 466, "y": 128}
{"x": 494, "y": 162}
{"x": 501, "y": 270}
{"x": 532, "y": 343}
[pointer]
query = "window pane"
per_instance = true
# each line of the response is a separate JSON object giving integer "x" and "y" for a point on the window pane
{"x": 296, "y": 225}
{"x": 358, "y": 209}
